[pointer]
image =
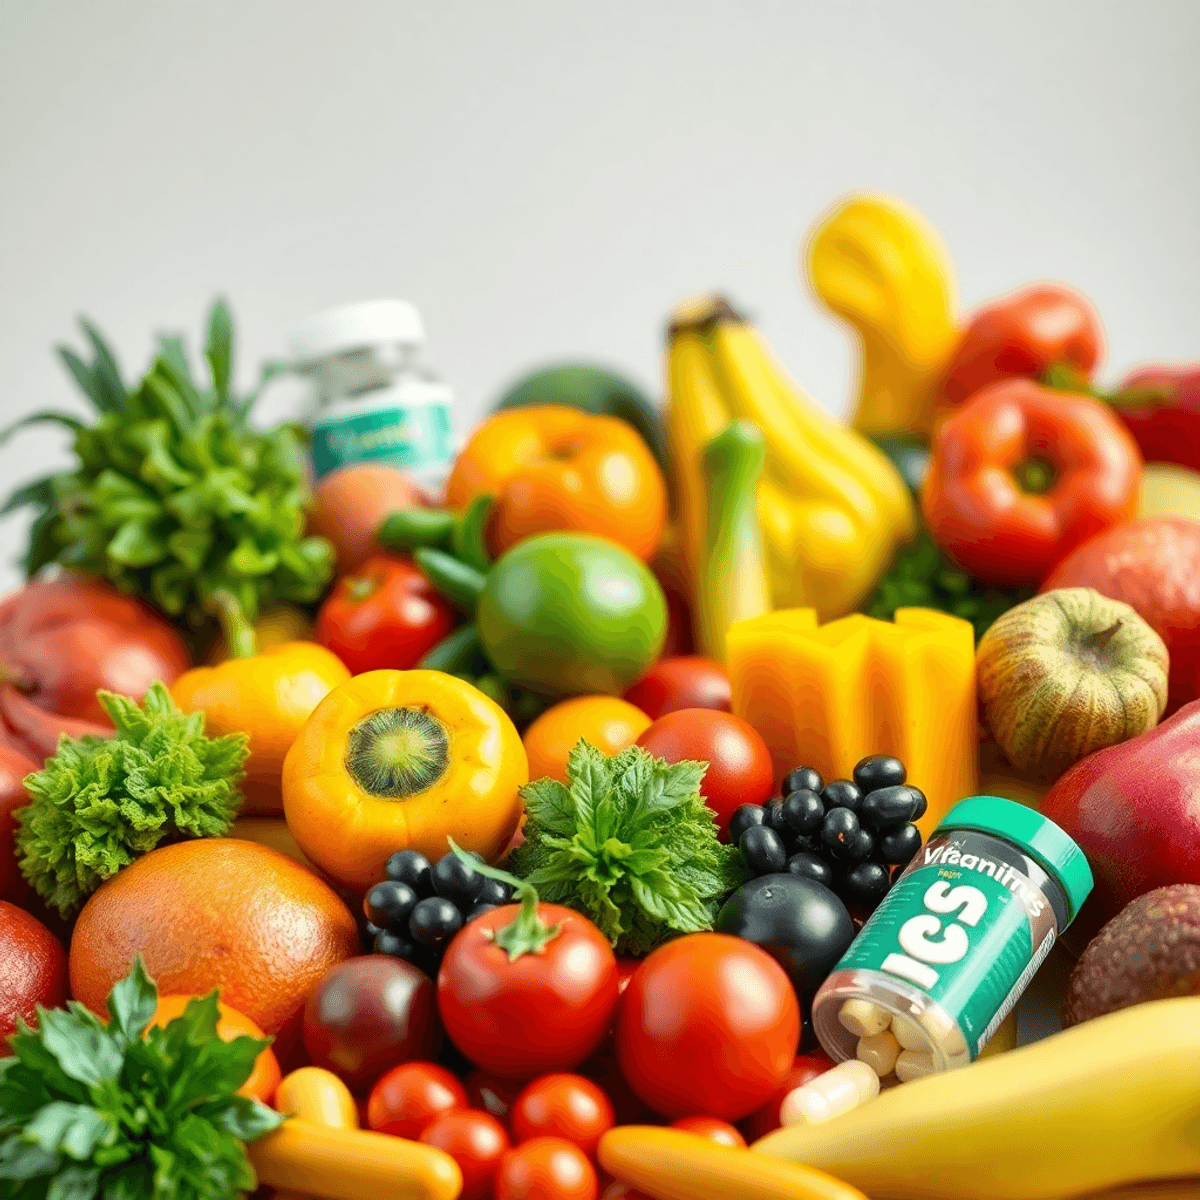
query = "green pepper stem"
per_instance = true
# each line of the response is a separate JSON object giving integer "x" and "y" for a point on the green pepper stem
{"x": 461, "y": 584}
{"x": 412, "y": 527}
{"x": 239, "y": 633}
{"x": 528, "y": 933}
{"x": 468, "y": 541}
{"x": 454, "y": 652}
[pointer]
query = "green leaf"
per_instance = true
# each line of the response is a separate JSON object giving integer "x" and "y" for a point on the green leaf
{"x": 590, "y": 780}
{"x": 247, "y": 1119}
{"x": 131, "y": 1004}
{"x": 42, "y": 418}
{"x": 219, "y": 350}
{"x": 106, "y": 374}
{"x": 71, "y": 1129}
{"x": 39, "y": 492}
{"x": 23, "y": 1160}
{"x": 84, "y": 1053}
{"x": 549, "y": 803}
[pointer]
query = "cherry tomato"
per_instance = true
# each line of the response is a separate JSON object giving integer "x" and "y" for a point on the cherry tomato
{"x": 714, "y": 1130}
{"x": 493, "y": 1095}
{"x": 708, "y": 1026}
{"x": 565, "y": 1106}
{"x": 805, "y": 1068}
{"x": 386, "y": 615}
{"x": 625, "y": 970}
{"x": 739, "y": 763}
{"x": 546, "y": 1168}
{"x": 688, "y": 681}
{"x": 410, "y": 1096}
{"x": 540, "y": 1012}
{"x": 476, "y": 1141}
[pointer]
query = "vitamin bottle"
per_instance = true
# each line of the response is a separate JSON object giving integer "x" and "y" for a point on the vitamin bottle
{"x": 372, "y": 399}
{"x": 944, "y": 958}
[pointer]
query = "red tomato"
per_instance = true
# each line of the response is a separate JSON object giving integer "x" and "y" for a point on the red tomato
{"x": 805, "y": 1069}
{"x": 603, "y": 1071}
{"x": 625, "y": 970}
{"x": 565, "y": 1106}
{"x": 410, "y": 1096}
{"x": 476, "y": 1141}
{"x": 384, "y": 616}
{"x": 739, "y": 763}
{"x": 541, "y": 1012}
{"x": 546, "y": 1168}
{"x": 708, "y": 1026}
{"x": 493, "y": 1095}
{"x": 688, "y": 681}
{"x": 714, "y": 1130}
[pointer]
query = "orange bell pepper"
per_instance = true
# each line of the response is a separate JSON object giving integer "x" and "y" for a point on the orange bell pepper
{"x": 268, "y": 696}
{"x": 557, "y": 468}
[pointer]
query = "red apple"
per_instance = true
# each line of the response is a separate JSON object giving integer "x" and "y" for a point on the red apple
{"x": 13, "y": 769}
{"x": 1134, "y": 810}
{"x": 1153, "y": 565}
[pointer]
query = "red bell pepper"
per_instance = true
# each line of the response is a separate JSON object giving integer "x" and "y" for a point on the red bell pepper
{"x": 1021, "y": 474}
{"x": 1025, "y": 335}
{"x": 1159, "y": 403}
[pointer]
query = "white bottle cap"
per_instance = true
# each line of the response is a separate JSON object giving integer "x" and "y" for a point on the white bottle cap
{"x": 356, "y": 327}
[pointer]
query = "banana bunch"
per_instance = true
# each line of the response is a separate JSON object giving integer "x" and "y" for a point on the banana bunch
{"x": 831, "y": 507}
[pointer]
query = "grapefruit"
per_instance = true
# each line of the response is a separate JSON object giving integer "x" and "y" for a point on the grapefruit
{"x": 33, "y": 970}
{"x": 215, "y": 913}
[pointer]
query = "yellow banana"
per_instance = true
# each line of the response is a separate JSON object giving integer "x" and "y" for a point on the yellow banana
{"x": 1107, "y": 1103}
{"x": 880, "y": 265}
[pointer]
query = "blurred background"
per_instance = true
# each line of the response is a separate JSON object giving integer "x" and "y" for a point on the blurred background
{"x": 546, "y": 181}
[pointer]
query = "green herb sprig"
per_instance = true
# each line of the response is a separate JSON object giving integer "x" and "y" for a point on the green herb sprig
{"x": 101, "y": 802}
{"x": 176, "y": 497}
{"x": 630, "y": 844}
{"x": 89, "y": 1110}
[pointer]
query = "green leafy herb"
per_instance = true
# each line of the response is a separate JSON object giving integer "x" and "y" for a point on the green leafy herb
{"x": 175, "y": 496}
{"x": 89, "y": 1110}
{"x": 630, "y": 844}
{"x": 923, "y": 577}
{"x": 100, "y": 802}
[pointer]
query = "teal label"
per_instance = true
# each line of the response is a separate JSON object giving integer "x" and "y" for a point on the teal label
{"x": 966, "y": 929}
{"x": 404, "y": 437}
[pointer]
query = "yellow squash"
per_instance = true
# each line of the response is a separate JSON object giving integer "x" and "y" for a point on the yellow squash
{"x": 831, "y": 508}
{"x": 1107, "y": 1103}
{"x": 881, "y": 266}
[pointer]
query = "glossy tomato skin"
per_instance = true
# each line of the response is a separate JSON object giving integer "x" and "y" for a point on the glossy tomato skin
{"x": 739, "y": 763}
{"x": 493, "y": 1095}
{"x": 546, "y": 1168}
{"x": 565, "y": 1106}
{"x": 804, "y": 1069}
{"x": 409, "y": 1097}
{"x": 688, "y": 1040}
{"x": 711, "y": 1129}
{"x": 542, "y": 1012}
{"x": 686, "y": 681}
{"x": 385, "y": 616}
{"x": 476, "y": 1141}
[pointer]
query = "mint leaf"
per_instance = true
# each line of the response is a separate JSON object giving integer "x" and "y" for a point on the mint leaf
{"x": 590, "y": 780}
{"x": 131, "y": 1003}
{"x": 74, "y": 1183}
{"x": 81, "y": 1050}
{"x": 247, "y": 1119}
{"x": 24, "y": 1160}
{"x": 71, "y": 1129}
{"x": 549, "y": 803}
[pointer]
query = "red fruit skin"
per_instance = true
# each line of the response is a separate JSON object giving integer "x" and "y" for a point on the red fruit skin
{"x": 805, "y": 1069}
{"x": 13, "y": 769}
{"x": 1153, "y": 565}
{"x": 476, "y": 1141}
{"x": 410, "y": 1097}
{"x": 1167, "y": 430}
{"x": 33, "y": 970}
{"x": 1134, "y": 810}
{"x": 686, "y": 681}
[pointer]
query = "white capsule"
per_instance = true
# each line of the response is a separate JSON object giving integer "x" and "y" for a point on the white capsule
{"x": 838, "y": 1090}
{"x": 879, "y": 1052}
{"x": 945, "y": 1032}
{"x": 910, "y": 1035}
{"x": 862, "y": 1018}
{"x": 912, "y": 1065}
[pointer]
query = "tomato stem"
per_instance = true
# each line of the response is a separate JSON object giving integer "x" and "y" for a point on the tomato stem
{"x": 528, "y": 934}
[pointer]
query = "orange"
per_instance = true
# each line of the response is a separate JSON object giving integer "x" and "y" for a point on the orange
{"x": 608, "y": 723}
{"x": 265, "y": 1077}
{"x": 556, "y": 468}
{"x": 215, "y": 913}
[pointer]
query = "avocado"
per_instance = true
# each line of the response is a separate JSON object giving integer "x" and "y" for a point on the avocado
{"x": 1149, "y": 951}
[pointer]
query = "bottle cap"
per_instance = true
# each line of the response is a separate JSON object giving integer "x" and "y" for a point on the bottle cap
{"x": 358, "y": 327}
{"x": 1037, "y": 836}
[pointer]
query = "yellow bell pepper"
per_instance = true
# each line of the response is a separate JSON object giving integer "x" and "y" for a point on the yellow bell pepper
{"x": 268, "y": 696}
{"x": 881, "y": 266}
{"x": 831, "y": 507}
{"x": 402, "y": 760}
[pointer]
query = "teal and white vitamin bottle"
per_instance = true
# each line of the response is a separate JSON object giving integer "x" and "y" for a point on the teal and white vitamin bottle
{"x": 373, "y": 400}
{"x": 944, "y": 958}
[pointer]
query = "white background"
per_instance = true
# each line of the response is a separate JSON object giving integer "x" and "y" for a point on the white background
{"x": 545, "y": 180}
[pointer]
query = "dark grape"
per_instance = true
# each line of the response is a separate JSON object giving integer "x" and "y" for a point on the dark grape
{"x": 841, "y": 793}
{"x": 888, "y": 808}
{"x": 862, "y": 846}
{"x": 396, "y": 945}
{"x": 802, "y": 778}
{"x": 493, "y": 893}
{"x": 763, "y": 850}
{"x": 922, "y": 803}
{"x": 878, "y": 771}
{"x": 388, "y": 904}
{"x": 478, "y": 911}
{"x": 840, "y": 831}
{"x": 373, "y": 931}
{"x": 900, "y": 845}
{"x": 434, "y": 921}
{"x": 867, "y": 884}
{"x": 773, "y": 816}
{"x": 802, "y": 812}
{"x": 744, "y": 817}
{"x": 411, "y": 867}
{"x": 458, "y": 881}
{"x": 811, "y": 867}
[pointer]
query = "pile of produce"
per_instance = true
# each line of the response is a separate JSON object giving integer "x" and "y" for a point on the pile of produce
{"x": 672, "y": 808}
